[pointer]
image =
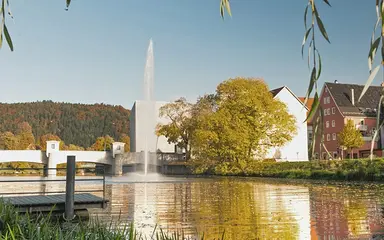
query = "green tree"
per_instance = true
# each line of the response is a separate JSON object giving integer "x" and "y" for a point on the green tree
{"x": 240, "y": 123}
{"x": 103, "y": 143}
{"x": 179, "y": 129}
{"x": 25, "y": 137}
{"x": 125, "y": 139}
{"x": 8, "y": 141}
{"x": 350, "y": 137}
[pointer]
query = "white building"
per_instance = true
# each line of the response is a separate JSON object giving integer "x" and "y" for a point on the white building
{"x": 139, "y": 120}
{"x": 297, "y": 149}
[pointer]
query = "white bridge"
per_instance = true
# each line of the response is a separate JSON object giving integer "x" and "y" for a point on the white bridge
{"x": 113, "y": 160}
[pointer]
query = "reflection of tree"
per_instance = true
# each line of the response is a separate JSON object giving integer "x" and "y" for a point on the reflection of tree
{"x": 356, "y": 214}
{"x": 229, "y": 205}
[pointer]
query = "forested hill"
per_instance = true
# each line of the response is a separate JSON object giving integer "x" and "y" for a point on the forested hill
{"x": 78, "y": 124}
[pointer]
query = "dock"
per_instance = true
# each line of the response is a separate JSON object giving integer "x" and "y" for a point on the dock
{"x": 47, "y": 203}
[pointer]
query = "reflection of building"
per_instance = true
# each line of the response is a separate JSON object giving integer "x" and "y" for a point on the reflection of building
{"x": 296, "y": 149}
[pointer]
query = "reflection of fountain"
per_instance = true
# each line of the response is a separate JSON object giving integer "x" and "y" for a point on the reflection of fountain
{"x": 149, "y": 109}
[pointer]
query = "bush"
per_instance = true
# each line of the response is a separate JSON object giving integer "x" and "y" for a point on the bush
{"x": 356, "y": 169}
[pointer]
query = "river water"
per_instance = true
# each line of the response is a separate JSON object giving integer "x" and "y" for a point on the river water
{"x": 243, "y": 208}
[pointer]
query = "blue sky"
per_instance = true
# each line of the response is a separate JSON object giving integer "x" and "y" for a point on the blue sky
{"x": 95, "y": 52}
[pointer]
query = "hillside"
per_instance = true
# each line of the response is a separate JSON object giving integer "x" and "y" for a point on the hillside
{"x": 78, "y": 124}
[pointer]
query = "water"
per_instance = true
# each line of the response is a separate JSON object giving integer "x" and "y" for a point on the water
{"x": 148, "y": 121}
{"x": 245, "y": 208}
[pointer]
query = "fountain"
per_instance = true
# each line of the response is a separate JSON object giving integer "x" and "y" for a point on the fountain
{"x": 149, "y": 103}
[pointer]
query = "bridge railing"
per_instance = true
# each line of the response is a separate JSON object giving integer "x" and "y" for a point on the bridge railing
{"x": 171, "y": 157}
{"x": 39, "y": 175}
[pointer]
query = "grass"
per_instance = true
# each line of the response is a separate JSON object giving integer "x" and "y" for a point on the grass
{"x": 18, "y": 226}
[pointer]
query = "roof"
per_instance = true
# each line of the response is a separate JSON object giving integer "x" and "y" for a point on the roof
{"x": 309, "y": 102}
{"x": 342, "y": 94}
{"x": 278, "y": 90}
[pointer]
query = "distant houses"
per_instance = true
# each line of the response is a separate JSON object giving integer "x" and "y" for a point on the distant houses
{"x": 339, "y": 103}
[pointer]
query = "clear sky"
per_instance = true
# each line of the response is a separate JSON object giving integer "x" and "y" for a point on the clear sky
{"x": 95, "y": 52}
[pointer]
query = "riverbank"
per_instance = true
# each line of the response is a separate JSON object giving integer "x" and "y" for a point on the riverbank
{"x": 352, "y": 170}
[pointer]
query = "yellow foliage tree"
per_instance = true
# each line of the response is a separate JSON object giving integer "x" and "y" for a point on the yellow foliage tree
{"x": 25, "y": 136}
{"x": 350, "y": 137}
{"x": 125, "y": 139}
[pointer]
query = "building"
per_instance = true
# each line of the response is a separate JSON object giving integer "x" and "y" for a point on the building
{"x": 309, "y": 121}
{"x": 339, "y": 103}
{"x": 140, "y": 122}
{"x": 297, "y": 149}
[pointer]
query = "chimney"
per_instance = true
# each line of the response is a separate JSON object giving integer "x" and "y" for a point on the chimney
{"x": 353, "y": 96}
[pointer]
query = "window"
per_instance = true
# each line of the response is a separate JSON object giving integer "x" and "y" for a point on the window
{"x": 334, "y": 155}
{"x": 333, "y": 123}
{"x": 328, "y": 137}
{"x": 328, "y": 99}
{"x": 326, "y": 90}
{"x": 327, "y": 124}
{"x": 325, "y": 100}
{"x": 333, "y": 136}
{"x": 328, "y": 111}
{"x": 310, "y": 136}
{"x": 325, "y": 112}
{"x": 53, "y": 146}
{"x": 333, "y": 110}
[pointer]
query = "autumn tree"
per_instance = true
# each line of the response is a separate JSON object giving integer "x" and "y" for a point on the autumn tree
{"x": 25, "y": 136}
{"x": 103, "y": 143}
{"x": 350, "y": 137}
{"x": 241, "y": 122}
{"x": 179, "y": 130}
{"x": 50, "y": 137}
{"x": 125, "y": 139}
{"x": 72, "y": 147}
{"x": 8, "y": 141}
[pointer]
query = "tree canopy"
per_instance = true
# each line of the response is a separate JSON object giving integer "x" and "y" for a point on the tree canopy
{"x": 238, "y": 123}
{"x": 350, "y": 137}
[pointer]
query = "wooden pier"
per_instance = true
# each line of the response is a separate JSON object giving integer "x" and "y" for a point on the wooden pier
{"x": 47, "y": 203}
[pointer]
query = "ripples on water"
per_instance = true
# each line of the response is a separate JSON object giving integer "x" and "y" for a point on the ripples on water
{"x": 244, "y": 208}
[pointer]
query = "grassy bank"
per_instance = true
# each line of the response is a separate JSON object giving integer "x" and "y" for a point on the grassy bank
{"x": 361, "y": 170}
{"x": 15, "y": 226}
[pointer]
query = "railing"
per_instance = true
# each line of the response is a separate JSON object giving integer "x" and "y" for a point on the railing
{"x": 361, "y": 127}
{"x": 171, "y": 157}
{"x": 70, "y": 179}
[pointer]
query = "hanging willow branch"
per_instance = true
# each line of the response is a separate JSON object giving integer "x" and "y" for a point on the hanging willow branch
{"x": 314, "y": 65}
{"x": 4, "y": 33}
{"x": 376, "y": 41}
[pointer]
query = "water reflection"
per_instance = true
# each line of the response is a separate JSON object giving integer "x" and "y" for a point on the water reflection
{"x": 243, "y": 208}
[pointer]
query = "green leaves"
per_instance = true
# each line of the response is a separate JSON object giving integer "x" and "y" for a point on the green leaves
{"x": 3, "y": 28}
{"x": 327, "y": 2}
{"x": 8, "y": 37}
{"x": 369, "y": 81}
{"x": 224, "y": 5}
{"x": 321, "y": 25}
{"x": 305, "y": 40}
{"x": 372, "y": 52}
{"x": 314, "y": 107}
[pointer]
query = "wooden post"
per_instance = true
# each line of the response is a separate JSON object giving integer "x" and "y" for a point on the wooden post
{"x": 70, "y": 188}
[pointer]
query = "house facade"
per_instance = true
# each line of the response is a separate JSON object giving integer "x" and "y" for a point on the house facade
{"x": 297, "y": 149}
{"x": 339, "y": 103}
{"x": 309, "y": 121}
